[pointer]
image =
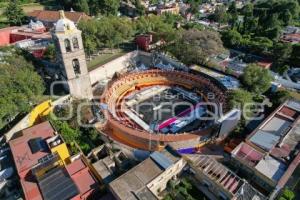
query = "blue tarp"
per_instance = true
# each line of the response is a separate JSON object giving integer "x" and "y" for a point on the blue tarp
{"x": 190, "y": 150}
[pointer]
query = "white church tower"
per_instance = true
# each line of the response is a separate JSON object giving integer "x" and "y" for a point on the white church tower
{"x": 71, "y": 56}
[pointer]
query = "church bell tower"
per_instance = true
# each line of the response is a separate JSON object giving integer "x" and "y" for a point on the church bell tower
{"x": 71, "y": 56}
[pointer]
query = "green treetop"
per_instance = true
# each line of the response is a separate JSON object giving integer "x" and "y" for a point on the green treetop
{"x": 14, "y": 13}
{"x": 256, "y": 79}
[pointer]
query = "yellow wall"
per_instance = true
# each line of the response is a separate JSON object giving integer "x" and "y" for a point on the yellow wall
{"x": 42, "y": 171}
{"x": 40, "y": 110}
{"x": 63, "y": 152}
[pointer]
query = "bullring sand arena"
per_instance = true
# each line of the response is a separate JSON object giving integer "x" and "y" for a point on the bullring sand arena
{"x": 150, "y": 109}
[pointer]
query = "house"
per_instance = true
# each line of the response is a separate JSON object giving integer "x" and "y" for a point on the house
{"x": 33, "y": 31}
{"x": 45, "y": 168}
{"x": 168, "y": 8}
{"x": 270, "y": 153}
{"x": 291, "y": 38}
{"x": 217, "y": 181}
{"x": 266, "y": 64}
{"x": 50, "y": 17}
{"x": 108, "y": 164}
{"x": 291, "y": 30}
{"x": 148, "y": 41}
{"x": 5, "y": 35}
{"x": 149, "y": 178}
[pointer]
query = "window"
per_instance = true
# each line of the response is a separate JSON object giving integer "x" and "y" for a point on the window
{"x": 76, "y": 66}
{"x": 75, "y": 43}
{"x": 68, "y": 45}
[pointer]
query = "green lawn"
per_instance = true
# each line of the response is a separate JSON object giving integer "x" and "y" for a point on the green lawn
{"x": 103, "y": 58}
{"x": 31, "y": 6}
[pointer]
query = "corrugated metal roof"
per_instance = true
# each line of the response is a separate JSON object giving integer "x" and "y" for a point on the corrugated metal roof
{"x": 277, "y": 126}
{"x": 265, "y": 140}
{"x": 271, "y": 168}
{"x": 161, "y": 160}
{"x": 294, "y": 104}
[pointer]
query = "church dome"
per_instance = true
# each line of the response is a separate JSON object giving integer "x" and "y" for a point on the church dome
{"x": 64, "y": 24}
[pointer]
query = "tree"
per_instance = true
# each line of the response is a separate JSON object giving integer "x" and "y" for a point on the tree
{"x": 250, "y": 24}
{"x": 21, "y": 86}
{"x": 287, "y": 195}
{"x": 140, "y": 9}
{"x": 239, "y": 99}
{"x": 271, "y": 21}
{"x": 194, "y": 46}
{"x": 81, "y": 5}
{"x": 260, "y": 45}
{"x": 232, "y": 8}
{"x": 280, "y": 68}
{"x": 69, "y": 134}
{"x": 50, "y": 53}
{"x": 71, "y": 130}
{"x": 193, "y": 25}
{"x": 234, "y": 15}
{"x": 295, "y": 56}
{"x": 282, "y": 52}
{"x": 232, "y": 38}
{"x": 110, "y": 32}
{"x": 109, "y": 7}
{"x": 273, "y": 33}
{"x": 286, "y": 17}
{"x": 162, "y": 26}
{"x": 256, "y": 79}
{"x": 220, "y": 15}
{"x": 208, "y": 41}
{"x": 154, "y": 2}
{"x": 194, "y": 6}
{"x": 94, "y": 7}
{"x": 247, "y": 10}
{"x": 65, "y": 4}
{"x": 89, "y": 31}
{"x": 14, "y": 13}
{"x": 279, "y": 97}
{"x": 265, "y": 18}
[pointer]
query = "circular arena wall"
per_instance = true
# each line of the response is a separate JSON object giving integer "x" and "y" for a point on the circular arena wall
{"x": 121, "y": 128}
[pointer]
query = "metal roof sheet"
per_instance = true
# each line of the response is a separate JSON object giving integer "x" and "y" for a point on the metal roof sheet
{"x": 58, "y": 184}
{"x": 161, "y": 160}
{"x": 277, "y": 126}
{"x": 265, "y": 140}
{"x": 271, "y": 168}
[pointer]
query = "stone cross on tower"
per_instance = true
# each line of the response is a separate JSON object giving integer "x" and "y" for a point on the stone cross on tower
{"x": 70, "y": 52}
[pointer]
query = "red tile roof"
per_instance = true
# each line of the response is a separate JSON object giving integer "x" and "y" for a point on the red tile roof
{"x": 53, "y": 16}
{"x": 82, "y": 177}
{"x": 75, "y": 166}
{"x": 31, "y": 190}
{"x": 78, "y": 171}
{"x": 289, "y": 112}
{"x": 264, "y": 64}
{"x": 24, "y": 160}
{"x": 23, "y": 157}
